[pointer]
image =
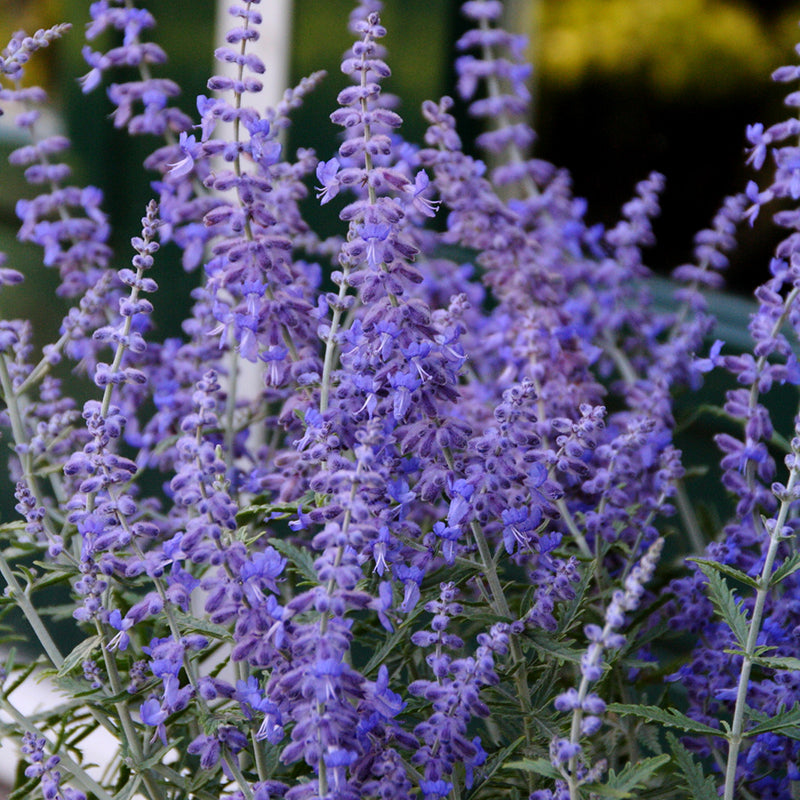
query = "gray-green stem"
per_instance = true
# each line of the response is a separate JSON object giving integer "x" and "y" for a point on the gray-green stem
{"x": 127, "y": 725}
{"x": 31, "y": 614}
{"x": 737, "y": 726}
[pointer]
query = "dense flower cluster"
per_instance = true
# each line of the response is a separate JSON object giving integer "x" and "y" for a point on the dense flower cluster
{"x": 419, "y": 556}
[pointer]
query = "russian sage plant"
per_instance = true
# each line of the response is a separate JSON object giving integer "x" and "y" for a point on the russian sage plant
{"x": 436, "y": 553}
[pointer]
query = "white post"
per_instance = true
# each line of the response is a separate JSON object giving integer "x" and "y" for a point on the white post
{"x": 272, "y": 48}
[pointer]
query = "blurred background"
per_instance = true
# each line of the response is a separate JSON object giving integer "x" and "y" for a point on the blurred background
{"x": 621, "y": 87}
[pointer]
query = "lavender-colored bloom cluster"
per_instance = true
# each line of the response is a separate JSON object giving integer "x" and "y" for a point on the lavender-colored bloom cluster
{"x": 420, "y": 559}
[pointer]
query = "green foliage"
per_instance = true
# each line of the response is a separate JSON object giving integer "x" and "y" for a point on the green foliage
{"x": 630, "y": 779}
{"x": 670, "y": 717}
{"x": 699, "y": 785}
{"x": 724, "y": 599}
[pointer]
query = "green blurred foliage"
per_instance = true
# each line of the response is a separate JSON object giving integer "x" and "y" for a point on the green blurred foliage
{"x": 419, "y": 42}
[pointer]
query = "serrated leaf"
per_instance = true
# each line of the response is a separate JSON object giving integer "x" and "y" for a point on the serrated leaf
{"x": 301, "y": 560}
{"x": 545, "y": 645}
{"x": 725, "y": 603}
{"x": 780, "y": 722}
{"x": 778, "y": 662}
{"x": 633, "y": 775}
{"x": 725, "y": 569}
{"x": 666, "y": 716}
{"x": 790, "y": 733}
{"x": 80, "y": 653}
{"x": 541, "y": 766}
{"x": 790, "y": 566}
{"x": 700, "y": 785}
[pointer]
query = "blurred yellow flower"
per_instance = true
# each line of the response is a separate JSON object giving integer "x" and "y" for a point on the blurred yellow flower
{"x": 708, "y": 46}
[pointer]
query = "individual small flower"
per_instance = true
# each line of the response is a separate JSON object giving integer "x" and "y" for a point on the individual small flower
{"x": 421, "y": 203}
{"x": 460, "y": 502}
{"x": 713, "y": 359}
{"x": 759, "y": 144}
{"x": 189, "y": 149}
{"x": 518, "y": 524}
{"x": 327, "y": 175}
{"x": 264, "y": 147}
{"x": 154, "y": 716}
{"x": 563, "y": 751}
{"x": 121, "y": 640}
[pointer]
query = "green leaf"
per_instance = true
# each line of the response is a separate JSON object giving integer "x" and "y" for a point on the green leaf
{"x": 670, "y": 717}
{"x": 158, "y": 756}
{"x": 302, "y": 561}
{"x": 271, "y": 757}
{"x": 52, "y": 575}
{"x": 401, "y": 634}
{"x": 82, "y": 652}
{"x": 541, "y": 766}
{"x": 725, "y": 602}
{"x": 550, "y": 648}
{"x": 498, "y": 761}
{"x": 633, "y": 775}
{"x": 790, "y": 566}
{"x": 129, "y": 789}
{"x": 27, "y": 670}
{"x": 12, "y": 527}
{"x": 268, "y": 511}
{"x": 78, "y": 689}
{"x": 189, "y": 623}
{"x": 571, "y": 610}
{"x": 725, "y": 569}
{"x": 700, "y": 786}
{"x": 170, "y": 778}
{"x": 201, "y": 779}
{"x": 24, "y": 790}
{"x": 780, "y": 722}
{"x": 778, "y": 662}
